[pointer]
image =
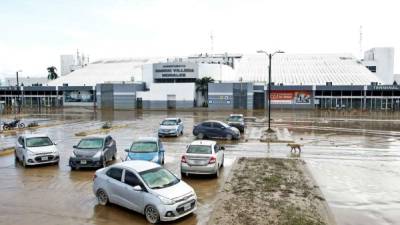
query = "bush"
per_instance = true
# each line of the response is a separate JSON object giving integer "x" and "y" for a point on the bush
{"x": 106, "y": 125}
{"x": 33, "y": 124}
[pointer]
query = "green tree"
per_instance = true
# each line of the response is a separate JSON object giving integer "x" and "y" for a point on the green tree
{"x": 202, "y": 87}
{"x": 52, "y": 73}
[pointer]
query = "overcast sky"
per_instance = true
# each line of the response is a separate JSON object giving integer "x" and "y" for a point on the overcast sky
{"x": 35, "y": 33}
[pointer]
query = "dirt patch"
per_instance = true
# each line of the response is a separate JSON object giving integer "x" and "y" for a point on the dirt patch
{"x": 270, "y": 191}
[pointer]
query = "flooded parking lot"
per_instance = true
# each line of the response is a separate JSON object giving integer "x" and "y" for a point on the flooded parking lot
{"x": 354, "y": 158}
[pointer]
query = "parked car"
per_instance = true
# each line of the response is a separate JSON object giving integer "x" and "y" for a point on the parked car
{"x": 236, "y": 120}
{"x": 202, "y": 157}
{"x": 171, "y": 127}
{"x": 215, "y": 129}
{"x": 145, "y": 187}
{"x": 35, "y": 149}
{"x": 148, "y": 149}
{"x": 93, "y": 152}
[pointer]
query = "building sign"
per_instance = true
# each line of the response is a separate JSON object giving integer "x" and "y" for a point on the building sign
{"x": 175, "y": 70}
{"x": 384, "y": 87}
{"x": 290, "y": 97}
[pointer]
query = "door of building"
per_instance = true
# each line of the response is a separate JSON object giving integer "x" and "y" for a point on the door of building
{"x": 171, "y": 101}
{"x": 259, "y": 100}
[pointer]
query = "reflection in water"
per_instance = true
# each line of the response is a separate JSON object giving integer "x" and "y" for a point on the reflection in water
{"x": 353, "y": 156}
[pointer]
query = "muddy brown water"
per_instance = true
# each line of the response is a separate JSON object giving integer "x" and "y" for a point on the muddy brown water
{"x": 354, "y": 158}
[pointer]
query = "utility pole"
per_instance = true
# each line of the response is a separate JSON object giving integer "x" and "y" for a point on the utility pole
{"x": 18, "y": 94}
{"x": 269, "y": 130}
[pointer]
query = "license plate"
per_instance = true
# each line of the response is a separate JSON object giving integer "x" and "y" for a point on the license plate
{"x": 44, "y": 158}
{"x": 83, "y": 162}
{"x": 196, "y": 162}
{"x": 187, "y": 207}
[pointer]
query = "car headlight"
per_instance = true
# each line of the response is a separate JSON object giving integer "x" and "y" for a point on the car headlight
{"x": 98, "y": 155}
{"x": 155, "y": 158}
{"x": 30, "y": 153}
{"x": 166, "y": 201}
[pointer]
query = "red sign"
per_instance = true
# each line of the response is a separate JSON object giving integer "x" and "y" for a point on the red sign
{"x": 290, "y": 97}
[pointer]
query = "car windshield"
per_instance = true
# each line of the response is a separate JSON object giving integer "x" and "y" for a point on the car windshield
{"x": 199, "y": 149}
{"x": 142, "y": 146}
{"x": 169, "y": 122}
{"x": 38, "y": 142}
{"x": 92, "y": 143}
{"x": 235, "y": 118}
{"x": 158, "y": 178}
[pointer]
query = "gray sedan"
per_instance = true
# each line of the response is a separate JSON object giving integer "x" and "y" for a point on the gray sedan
{"x": 93, "y": 152}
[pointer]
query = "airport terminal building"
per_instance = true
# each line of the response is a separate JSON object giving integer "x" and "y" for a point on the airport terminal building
{"x": 299, "y": 81}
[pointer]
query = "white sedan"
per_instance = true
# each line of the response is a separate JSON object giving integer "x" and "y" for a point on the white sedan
{"x": 147, "y": 188}
{"x": 35, "y": 149}
{"x": 202, "y": 157}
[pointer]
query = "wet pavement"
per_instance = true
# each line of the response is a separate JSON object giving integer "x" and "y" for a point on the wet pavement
{"x": 355, "y": 159}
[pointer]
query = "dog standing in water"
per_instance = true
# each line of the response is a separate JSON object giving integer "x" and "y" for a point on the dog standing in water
{"x": 293, "y": 147}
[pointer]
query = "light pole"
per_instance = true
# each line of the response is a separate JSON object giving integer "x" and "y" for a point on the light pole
{"x": 269, "y": 85}
{"x": 18, "y": 100}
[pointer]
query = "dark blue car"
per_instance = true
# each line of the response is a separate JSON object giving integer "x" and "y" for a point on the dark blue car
{"x": 148, "y": 149}
{"x": 215, "y": 129}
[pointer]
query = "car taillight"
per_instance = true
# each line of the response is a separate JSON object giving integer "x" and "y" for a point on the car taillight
{"x": 212, "y": 160}
{"x": 183, "y": 159}
{"x": 94, "y": 177}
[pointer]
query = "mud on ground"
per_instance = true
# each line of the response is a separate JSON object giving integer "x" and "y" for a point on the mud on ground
{"x": 270, "y": 191}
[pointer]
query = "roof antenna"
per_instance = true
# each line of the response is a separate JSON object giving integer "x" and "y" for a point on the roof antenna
{"x": 360, "y": 42}
{"x": 212, "y": 42}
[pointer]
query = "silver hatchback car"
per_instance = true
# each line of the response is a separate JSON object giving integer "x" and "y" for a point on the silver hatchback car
{"x": 145, "y": 187}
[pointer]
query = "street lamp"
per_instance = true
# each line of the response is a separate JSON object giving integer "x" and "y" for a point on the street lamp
{"x": 269, "y": 85}
{"x": 18, "y": 100}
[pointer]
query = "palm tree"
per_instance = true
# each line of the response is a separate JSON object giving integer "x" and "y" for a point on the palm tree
{"x": 52, "y": 73}
{"x": 202, "y": 87}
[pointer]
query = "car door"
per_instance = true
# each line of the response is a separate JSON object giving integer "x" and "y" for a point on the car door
{"x": 207, "y": 129}
{"x": 115, "y": 187}
{"x": 217, "y": 130}
{"x": 133, "y": 198}
{"x": 113, "y": 147}
{"x": 180, "y": 125}
{"x": 161, "y": 151}
{"x": 20, "y": 147}
{"x": 107, "y": 148}
{"x": 217, "y": 153}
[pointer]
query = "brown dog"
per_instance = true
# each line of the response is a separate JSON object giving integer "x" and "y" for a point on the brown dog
{"x": 293, "y": 147}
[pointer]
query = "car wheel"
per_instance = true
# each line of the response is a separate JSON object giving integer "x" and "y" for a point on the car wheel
{"x": 102, "y": 197}
{"x": 200, "y": 135}
{"x": 21, "y": 125}
{"x": 114, "y": 156}
{"x": 6, "y": 127}
{"x": 16, "y": 157}
{"x": 181, "y": 132}
{"x": 152, "y": 215}
{"x": 162, "y": 162}
{"x": 229, "y": 137}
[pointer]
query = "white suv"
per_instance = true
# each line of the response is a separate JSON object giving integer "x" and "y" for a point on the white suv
{"x": 35, "y": 149}
{"x": 202, "y": 157}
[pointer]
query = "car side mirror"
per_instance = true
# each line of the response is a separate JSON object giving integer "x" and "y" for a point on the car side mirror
{"x": 137, "y": 188}
{"x": 126, "y": 150}
{"x": 75, "y": 146}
